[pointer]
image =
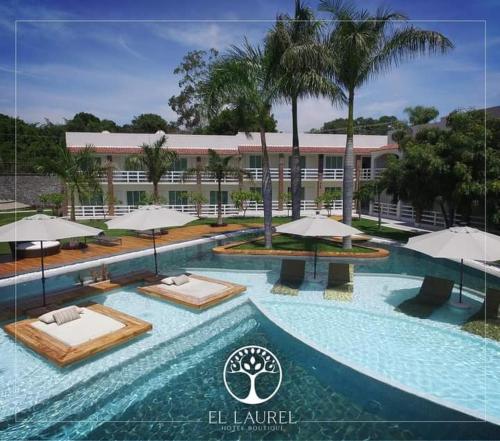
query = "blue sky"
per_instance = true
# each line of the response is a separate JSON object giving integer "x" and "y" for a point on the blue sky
{"x": 120, "y": 69}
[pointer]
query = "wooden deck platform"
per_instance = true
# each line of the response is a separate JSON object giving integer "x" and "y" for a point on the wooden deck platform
{"x": 162, "y": 292}
{"x": 56, "y": 299}
{"x": 63, "y": 355}
{"x": 94, "y": 251}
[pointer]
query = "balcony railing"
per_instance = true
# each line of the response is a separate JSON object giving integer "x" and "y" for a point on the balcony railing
{"x": 255, "y": 174}
{"x": 101, "y": 212}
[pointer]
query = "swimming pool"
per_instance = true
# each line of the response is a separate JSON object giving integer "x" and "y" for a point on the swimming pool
{"x": 167, "y": 392}
{"x": 455, "y": 364}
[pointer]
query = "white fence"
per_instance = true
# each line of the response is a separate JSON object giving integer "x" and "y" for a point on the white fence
{"x": 102, "y": 212}
{"x": 255, "y": 174}
{"x": 407, "y": 213}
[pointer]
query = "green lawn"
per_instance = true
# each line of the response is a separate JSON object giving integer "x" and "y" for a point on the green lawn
{"x": 370, "y": 227}
{"x": 477, "y": 325}
{"x": 294, "y": 243}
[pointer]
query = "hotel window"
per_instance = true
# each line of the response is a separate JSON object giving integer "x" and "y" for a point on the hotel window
{"x": 302, "y": 192}
{"x": 213, "y": 197}
{"x": 176, "y": 197}
{"x": 180, "y": 164}
{"x": 134, "y": 197}
{"x": 334, "y": 162}
{"x": 255, "y": 161}
{"x": 302, "y": 162}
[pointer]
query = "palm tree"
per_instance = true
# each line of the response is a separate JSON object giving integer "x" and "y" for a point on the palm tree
{"x": 360, "y": 46}
{"x": 156, "y": 160}
{"x": 297, "y": 55}
{"x": 219, "y": 168}
{"x": 242, "y": 79}
{"x": 80, "y": 172}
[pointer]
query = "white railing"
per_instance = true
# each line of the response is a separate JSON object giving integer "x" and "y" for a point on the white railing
{"x": 368, "y": 174}
{"x": 407, "y": 212}
{"x": 101, "y": 212}
{"x": 255, "y": 174}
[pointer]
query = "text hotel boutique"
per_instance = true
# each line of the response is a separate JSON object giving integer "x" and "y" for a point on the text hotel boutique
{"x": 321, "y": 161}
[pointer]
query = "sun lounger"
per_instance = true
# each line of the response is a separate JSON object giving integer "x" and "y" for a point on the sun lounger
{"x": 102, "y": 239}
{"x": 340, "y": 285}
{"x": 434, "y": 293}
{"x": 291, "y": 277}
{"x": 199, "y": 292}
{"x": 98, "y": 328}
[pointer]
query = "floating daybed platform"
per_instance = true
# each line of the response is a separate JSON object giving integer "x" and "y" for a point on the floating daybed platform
{"x": 99, "y": 328}
{"x": 199, "y": 292}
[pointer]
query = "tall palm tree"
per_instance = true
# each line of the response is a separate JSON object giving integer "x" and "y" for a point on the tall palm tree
{"x": 80, "y": 172}
{"x": 362, "y": 45}
{"x": 156, "y": 160}
{"x": 242, "y": 79}
{"x": 219, "y": 168}
{"x": 297, "y": 56}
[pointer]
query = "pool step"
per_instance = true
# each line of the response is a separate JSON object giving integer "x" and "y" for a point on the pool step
{"x": 86, "y": 405}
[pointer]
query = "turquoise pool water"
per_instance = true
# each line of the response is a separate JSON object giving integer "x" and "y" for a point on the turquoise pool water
{"x": 431, "y": 358}
{"x": 168, "y": 392}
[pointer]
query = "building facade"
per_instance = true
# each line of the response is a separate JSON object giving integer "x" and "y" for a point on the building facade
{"x": 321, "y": 159}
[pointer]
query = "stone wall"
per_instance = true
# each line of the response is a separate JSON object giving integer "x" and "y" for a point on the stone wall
{"x": 29, "y": 187}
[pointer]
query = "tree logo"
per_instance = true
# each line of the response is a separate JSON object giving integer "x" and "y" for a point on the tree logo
{"x": 252, "y": 374}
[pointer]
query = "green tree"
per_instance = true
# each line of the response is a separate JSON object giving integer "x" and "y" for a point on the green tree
{"x": 187, "y": 104}
{"x": 367, "y": 192}
{"x": 243, "y": 79}
{"x": 328, "y": 198}
{"x": 150, "y": 123}
{"x": 361, "y": 125}
{"x": 54, "y": 201}
{"x": 362, "y": 45}
{"x": 232, "y": 121}
{"x": 80, "y": 171}
{"x": 198, "y": 199}
{"x": 297, "y": 61}
{"x": 86, "y": 122}
{"x": 242, "y": 199}
{"x": 219, "y": 168}
{"x": 156, "y": 160}
{"x": 421, "y": 114}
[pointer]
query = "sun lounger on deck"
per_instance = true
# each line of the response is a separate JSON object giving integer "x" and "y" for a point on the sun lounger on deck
{"x": 340, "y": 285}
{"x": 97, "y": 328}
{"x": 291, "y": 277}
{"x": 197, "y": 292}
{"x": 102, "y": 239}
{"x": 434, "y": 293}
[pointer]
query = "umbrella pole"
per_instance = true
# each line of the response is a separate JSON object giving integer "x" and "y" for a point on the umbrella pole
{"x": 43, "y": 273}
{"x": 461, "y": 279}
{"x": 154, "y": 247}
{"x": 315, "y": 258}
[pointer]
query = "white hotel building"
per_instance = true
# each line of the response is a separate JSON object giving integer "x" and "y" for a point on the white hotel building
{"x": 321, "y": 158}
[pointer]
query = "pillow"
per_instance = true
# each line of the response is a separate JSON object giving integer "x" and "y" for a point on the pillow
{"x": 48, "y": 317}
{"x": 167, "y": 281}
{"x": 66, "y": 315}
{"x": 180, "y": 280}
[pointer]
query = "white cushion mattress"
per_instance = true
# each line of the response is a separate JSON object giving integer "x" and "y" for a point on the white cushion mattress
{"x": 196, "y": 288}
{"x": 89, "y": 326}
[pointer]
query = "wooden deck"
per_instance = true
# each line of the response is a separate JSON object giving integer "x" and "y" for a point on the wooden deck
{"x": 32, "y": 307}
{"x": 63, "y": 355}
{"x": 10, "y": 267}
{"x": 162, "y": 292}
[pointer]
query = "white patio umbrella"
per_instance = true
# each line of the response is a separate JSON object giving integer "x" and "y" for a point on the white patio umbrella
{"x": 151, "y": 217}
{"x": 317, "y": 226}
{"x": 39, "y": 228}
{"x": 458, "y": 243}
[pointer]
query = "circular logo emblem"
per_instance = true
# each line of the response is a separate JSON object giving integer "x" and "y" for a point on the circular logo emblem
{"x": 252, "y": 374}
